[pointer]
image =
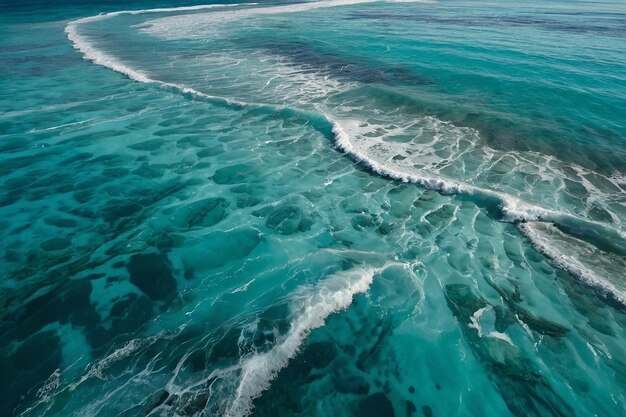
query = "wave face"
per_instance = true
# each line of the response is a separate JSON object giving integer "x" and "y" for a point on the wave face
{"x": 312, "y": 307}
{"x": 325, "y": 208}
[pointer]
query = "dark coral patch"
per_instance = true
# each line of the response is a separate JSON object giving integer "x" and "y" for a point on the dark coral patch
{"x": 151, "y": 273}
{"x": 376, "y": 405}
{"x": 235, "y": 174}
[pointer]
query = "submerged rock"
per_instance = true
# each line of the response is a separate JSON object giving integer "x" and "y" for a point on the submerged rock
{"x": 441, "y": 216}
{"x": 511, "y": 369}
{"x": 320, "y": 354}
{"x": 151, "y": 273}
{"x": 39, "y": 352}
{"x": 201, "y": 213}
{"x": 148, "y": 145}
{"x": 115, "y": 172}
{"x": 219, "y": 248}
{"x": 410, "y": 408}
{"x": 235, "y": 174}
{"x": 210, "y": 151}
{"x": 227, "y": 347}
{"x": 116, "y": 209}
{"x": 363, "y": 221}
{"x": 189, "y": 141}
{"x": 247, "y": 200}
{"x": 147, "y": 170}
{"x": 541, "y": 325}
{"x": 350, "y": 384}
{"x": 55, "y": 244}
{"x": 24, "y": 372}
{"x": 288, "y": 219}
{"x": 462, "y": 300}
{"x": 376, "y": 405}
{"x": 60, "y": 222}
{"x": 69, "y": 302}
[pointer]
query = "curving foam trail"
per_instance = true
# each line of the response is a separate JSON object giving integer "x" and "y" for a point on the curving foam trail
{"x": 513, "y": 209}
{"x": 427, "y": 164}
{"x": 98, "y": 57}
{"x": 599, "y": 269}
{"x": 195, "y": 26}
{"x": 97, "y": 369}
{"x": 592, "y": 265}
{"x": 311, "y": 307}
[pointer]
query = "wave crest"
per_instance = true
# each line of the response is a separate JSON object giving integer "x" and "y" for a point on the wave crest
{"x": 430, "y": 164}
{"x": 310, "y": 308}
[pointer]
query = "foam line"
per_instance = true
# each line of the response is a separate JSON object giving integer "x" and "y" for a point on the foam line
{"x": 98, "y": 57}
{"x": 512, "y": 208}
{"x": 188, "y": 26}
{"x": 193, "y": 26}
{"x": 585, "y": 261}
{"x": 313, "y": 306}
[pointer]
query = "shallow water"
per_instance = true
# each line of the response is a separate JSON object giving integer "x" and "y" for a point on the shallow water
{"x": 337, "y": 208}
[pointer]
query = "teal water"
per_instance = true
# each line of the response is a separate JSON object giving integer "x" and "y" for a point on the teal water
{"x": 344, "y": 208}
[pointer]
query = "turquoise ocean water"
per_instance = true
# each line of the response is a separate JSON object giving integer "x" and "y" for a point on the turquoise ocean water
{"x": 336, "y": 208}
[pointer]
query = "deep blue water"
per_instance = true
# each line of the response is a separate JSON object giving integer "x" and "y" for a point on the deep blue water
{"x": 358, "y": 208}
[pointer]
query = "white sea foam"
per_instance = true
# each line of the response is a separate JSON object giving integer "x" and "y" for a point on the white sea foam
{"x": 378, "y": 155}
{"x": 343, "y": 141}
{"x": 200, "y": 25}
{"x": 50, "y": 386}
{"x": 475, "y": 323}
{"x": 475, "y": 320}
{"x": 234, "y": 387}
{"x": 311, "y": 306}
{"x": 91, "y": 53}
{"x": 602, "y": 270}
{"x": 196, "y": 26}
{"x": 97, "y": 369}
{"x": 350, "y": 138}
{"x": 98, "y": 57}
{"x": 501, "y": 336}
{"x": 354, "y": 138}
{"x": 513, "y": 208}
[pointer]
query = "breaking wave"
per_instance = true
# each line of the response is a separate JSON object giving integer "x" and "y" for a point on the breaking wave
{"x": 503, "y": 206}
{"x": 310, "y": 308}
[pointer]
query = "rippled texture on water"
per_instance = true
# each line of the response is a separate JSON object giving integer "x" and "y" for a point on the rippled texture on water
{"x": 358, "y": 208}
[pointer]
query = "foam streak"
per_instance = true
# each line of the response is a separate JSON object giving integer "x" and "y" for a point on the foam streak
{"x": 512, "y": 208}
{"x": 312, "y": 308}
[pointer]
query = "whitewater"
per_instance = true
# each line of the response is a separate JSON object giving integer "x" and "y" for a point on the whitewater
{"x": 513, "y": 208}
{"x": 346, "y": 208}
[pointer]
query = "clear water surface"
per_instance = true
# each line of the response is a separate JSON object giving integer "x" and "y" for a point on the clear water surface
{"x": 337, "y": 208}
